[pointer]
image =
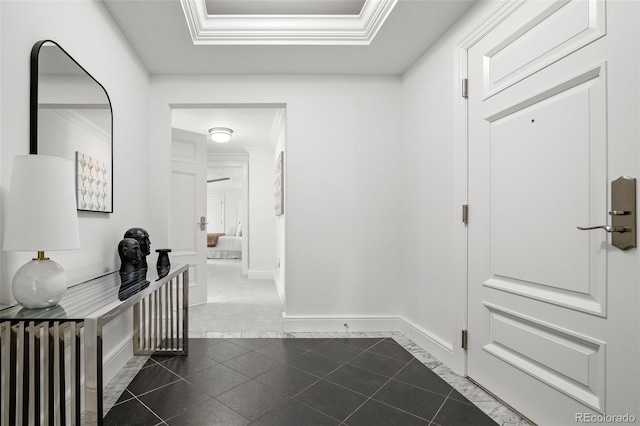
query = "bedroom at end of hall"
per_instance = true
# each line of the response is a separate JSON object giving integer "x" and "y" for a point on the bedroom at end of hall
{"x": 225, "y": 245}
{"x": 224, "y": 211}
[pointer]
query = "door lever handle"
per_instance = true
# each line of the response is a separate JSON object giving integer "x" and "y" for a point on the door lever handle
{"x": 623, "y": 227}
{"x": 607, "y": 228}
{"x": 202, "y": 223}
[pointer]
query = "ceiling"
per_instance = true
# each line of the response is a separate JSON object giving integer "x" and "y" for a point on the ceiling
{"x": 160, "y": 35}
{"x": 252, "y": 127}
{"x": 158, "y": 32}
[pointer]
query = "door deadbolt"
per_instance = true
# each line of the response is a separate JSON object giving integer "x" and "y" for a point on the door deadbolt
{"x": 623, "y": 214}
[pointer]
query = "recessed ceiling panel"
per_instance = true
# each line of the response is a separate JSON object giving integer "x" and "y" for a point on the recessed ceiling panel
{"x": 284, "y": 7}
{"x": 293, "y": 28}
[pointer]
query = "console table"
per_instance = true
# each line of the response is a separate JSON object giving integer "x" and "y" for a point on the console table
{"x": 34, "y": 344}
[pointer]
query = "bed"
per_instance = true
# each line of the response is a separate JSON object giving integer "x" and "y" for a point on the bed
{"x": 222, "y": 246}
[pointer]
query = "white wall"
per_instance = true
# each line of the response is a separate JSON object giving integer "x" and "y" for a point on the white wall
{"x": 342, "y": 173}
{"x": 261, "y": 229}
{"x": 279, "y": 278}
{"x": 434, "y": 294}
{"x": 85, "y": 30}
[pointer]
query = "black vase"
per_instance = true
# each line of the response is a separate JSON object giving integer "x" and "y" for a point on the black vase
{"x": 163, "y": 266}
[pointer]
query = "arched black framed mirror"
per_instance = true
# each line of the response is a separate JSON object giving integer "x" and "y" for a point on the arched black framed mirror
{"x": 71, "y": 117}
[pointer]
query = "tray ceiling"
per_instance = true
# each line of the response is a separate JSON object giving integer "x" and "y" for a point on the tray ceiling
{"x": 158, "y": 32}
{"x": 256, "y": 28}
{"x": 284, "y": 7}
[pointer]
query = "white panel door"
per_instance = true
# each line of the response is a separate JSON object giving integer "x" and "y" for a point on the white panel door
{"x": 553, "y": 113}
{"x": 215, "y": 210}
{"x": 188, "y": 240}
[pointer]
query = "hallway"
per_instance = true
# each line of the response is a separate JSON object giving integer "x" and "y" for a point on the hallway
{"x": 236, "y": 303}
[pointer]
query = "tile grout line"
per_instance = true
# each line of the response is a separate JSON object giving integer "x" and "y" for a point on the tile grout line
{"x": 397, "y": 380}
{"x": 150, "y": 410}
{"x": 441, "y": 405}
{"x": 321, "y": 378}
{"x": 327, "y": 375}
{"x": 159, "y": 387}
{"x": 109, "y": 403}
{"x": 314, "y": 409}
{"x": 373, "y": 394}
{"x": 230, "y": 408}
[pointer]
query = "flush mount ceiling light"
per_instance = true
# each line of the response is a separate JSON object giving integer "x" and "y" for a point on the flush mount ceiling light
{"x": 220, "y": 134}
{"x": 307, "y": 29}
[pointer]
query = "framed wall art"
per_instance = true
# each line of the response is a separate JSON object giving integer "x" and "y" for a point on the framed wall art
{"x": 92, "y": 184}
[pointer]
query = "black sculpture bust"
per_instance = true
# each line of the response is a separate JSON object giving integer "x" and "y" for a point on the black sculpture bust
{"x": 142, "y": 237}
{"x": 132, "y": 278}
{"x": 130, "y": 255}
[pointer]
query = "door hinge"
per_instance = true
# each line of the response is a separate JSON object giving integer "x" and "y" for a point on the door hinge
{"x": 465, "y": 88}
{"x": 465, "y": 213}
{"x": 465, "y": 336}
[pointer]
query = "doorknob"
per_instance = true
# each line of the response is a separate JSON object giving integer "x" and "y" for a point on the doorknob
{"x": 607, "y": 228}
{"x": 623, "y": 214}
{"x": 203, "y": 224}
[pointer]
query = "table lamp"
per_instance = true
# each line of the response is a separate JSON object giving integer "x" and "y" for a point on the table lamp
{"x": 41, "y": 215}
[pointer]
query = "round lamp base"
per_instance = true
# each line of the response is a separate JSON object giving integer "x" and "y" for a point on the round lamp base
{"x": 39, "y": 284}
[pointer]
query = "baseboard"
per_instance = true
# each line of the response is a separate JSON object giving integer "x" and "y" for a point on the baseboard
{"x": 260, "y": 275}
{"x": 433, "y": 344}
{"x": 332, "y": 324}
{"x": 112, "y": 364}
{"x": 116, "y": 359}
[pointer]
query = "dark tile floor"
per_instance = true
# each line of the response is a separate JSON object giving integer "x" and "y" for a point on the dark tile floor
{"x": 299, "y": 382}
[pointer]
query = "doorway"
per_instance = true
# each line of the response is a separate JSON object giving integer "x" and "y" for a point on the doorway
{"x": 245, "y": 239}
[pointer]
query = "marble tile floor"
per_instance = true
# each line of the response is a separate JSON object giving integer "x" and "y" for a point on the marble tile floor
{"x": 243, "y": 309}
{"x": 292, "y": 382}
{"x": 242, "y": 361}
{"x": 236, "y": 302}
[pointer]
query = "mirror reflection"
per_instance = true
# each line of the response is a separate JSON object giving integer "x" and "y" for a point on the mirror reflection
{"x": 71, "y": 118}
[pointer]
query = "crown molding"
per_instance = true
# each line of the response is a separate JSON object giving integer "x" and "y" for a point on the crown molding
{"x": 84, "y": 123}
{"x": 285, "y": 29}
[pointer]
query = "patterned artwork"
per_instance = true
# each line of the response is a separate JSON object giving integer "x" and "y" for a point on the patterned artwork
{"x": 92, "y": 183}
{"x": 279, "y": 185}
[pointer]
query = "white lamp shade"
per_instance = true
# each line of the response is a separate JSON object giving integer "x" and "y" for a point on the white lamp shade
{"x": 41, "y": 208}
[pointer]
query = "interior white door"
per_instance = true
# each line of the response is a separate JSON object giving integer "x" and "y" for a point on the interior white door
{"x": 215, "y": 210}
{"x": 187, "y": 238}
{"x": 553, "y": 113}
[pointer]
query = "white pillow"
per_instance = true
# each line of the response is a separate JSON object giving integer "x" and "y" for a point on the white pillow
{"x": 239, "y": 231}
{"x": 231, "y": 230}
